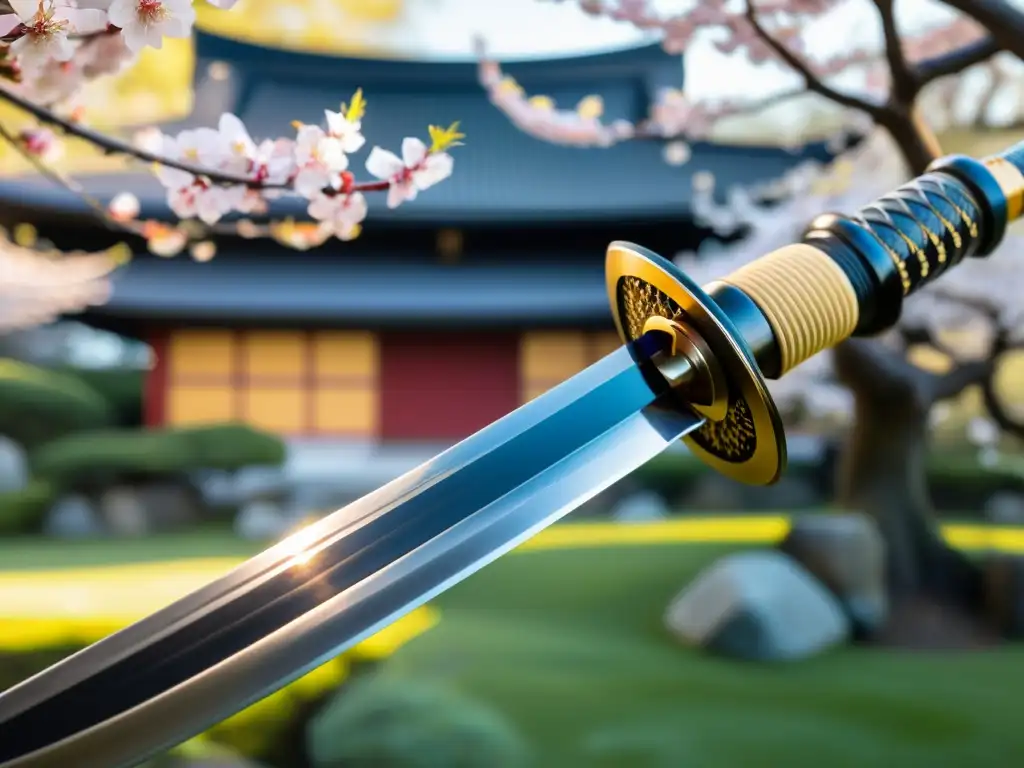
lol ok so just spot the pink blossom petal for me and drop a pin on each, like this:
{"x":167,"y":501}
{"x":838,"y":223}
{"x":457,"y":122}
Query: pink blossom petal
{"x":414,"y":151}
{"x":383,"y":164}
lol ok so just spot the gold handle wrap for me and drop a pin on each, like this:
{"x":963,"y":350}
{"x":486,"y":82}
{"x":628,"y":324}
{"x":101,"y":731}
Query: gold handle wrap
{"x":805,"y":296}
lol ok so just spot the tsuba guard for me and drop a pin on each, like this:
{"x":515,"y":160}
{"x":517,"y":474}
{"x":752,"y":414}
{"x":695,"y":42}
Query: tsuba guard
{"x":749,"y":444}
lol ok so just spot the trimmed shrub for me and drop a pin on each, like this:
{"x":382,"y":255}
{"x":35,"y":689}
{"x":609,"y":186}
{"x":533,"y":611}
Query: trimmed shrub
{"x":233,"y":446}
{"x":380,"y":722}
{"x":94,"y":459}
{"x":122,"y":388}
{"x":37,"y":405}
{"x":22,"y":511}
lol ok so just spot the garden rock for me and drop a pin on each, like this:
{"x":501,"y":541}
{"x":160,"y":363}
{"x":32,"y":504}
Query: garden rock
{"x":137,"y":510}
{"x":123,"y":512}
{"x":759,"y":606}
{"x":1005,"y":508}
{"x":641,"y":507}
{"x":413,"y":724}
{"x":262,"y":519}
{"x":13,"y":466}
{"x":846,"y":553}
{"x":1004,"y":593}
{"x":73,"y":517}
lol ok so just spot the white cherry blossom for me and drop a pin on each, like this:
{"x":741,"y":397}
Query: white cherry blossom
{"x":416,"y":170}
{"x":320,"y":160}
{"x":348,"y":133}
{"x":48,"y":25}
{"x":145,"y":23}
{"x":238,"y":144}
{"x":344,"y":213}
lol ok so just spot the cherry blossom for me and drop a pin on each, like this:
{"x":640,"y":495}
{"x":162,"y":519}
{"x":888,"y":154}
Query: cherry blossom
{"x":344,"y":213}
{"x":416,"y":170}
{"x":346,"y":132}
{"x":39,"y":286}
{"x":47,"y":25}
{"x":52,"y":48}
{"x":145,"y":23}
{"x":320,"y":160}
{"x":312,"y":166}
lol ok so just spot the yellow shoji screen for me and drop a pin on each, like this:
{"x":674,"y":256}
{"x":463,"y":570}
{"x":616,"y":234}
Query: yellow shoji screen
{"x":274,"y":375}
{"x":200,"y":371}
{"x":547,"y":358}
{"x":345,"y":383}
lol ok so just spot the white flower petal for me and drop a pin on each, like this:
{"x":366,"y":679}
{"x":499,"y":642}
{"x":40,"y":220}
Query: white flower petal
{"x":322,"y":208}
{"x":172,"y":178}
{"x":400,"y":193}
{"x":7,"y":23}
{"x":85,"y":20}
{"x":310,"y":180}
{"x":383,"y":164}
{"x":234,"y":130}
{"x":26,"y":9}
{"x":122,"y":14}
{"x":178,"y":26}
{"x":414,"y":151}
{"x":436,"y":168}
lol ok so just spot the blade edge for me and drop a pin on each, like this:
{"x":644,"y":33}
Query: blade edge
{"x":458,"y":552}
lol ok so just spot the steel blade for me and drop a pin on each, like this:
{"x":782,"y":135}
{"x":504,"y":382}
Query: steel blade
{"x":304,"y":601}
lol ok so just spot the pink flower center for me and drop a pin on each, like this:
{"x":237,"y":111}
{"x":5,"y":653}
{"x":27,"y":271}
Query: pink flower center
{"x":151,"y":11}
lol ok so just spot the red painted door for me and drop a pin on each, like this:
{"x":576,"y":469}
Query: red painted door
{"x":445,"y":386}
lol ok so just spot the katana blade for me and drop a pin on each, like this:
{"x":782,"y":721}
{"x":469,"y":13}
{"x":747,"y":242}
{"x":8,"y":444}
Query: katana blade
{"x":694,"y":367}
{"x":290,"y":609}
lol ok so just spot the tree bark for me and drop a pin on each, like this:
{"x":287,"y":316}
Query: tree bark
{"x":1001,"y":19}
{"x":916,"y":141}
{"x":883,"y":473}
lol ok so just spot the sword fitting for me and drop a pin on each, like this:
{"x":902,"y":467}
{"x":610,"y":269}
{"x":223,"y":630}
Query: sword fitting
{"x":690,"y":368}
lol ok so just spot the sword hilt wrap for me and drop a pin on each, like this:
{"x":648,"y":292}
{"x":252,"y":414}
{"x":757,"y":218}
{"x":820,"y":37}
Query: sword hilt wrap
{"x":848,"y":277}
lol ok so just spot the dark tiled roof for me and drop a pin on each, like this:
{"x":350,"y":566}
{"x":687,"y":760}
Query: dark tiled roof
{"x":502,"y":175}
{"x":380,"y":292}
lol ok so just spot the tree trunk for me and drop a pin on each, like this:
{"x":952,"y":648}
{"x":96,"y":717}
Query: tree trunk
{"x":916,"y":141}
{"x":883,"y":474}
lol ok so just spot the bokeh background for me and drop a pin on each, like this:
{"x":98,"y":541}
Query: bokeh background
{"x":206,"y":408}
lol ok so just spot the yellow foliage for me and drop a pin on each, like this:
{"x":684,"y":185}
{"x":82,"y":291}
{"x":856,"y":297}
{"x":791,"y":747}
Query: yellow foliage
{"x":445,"y":138}
{"x":322,"y":26}
{"x":590,"y":107}
{"x":357,"y":109}
{"x":25,"y":235}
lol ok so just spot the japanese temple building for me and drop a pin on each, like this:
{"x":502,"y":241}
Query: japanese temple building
{"x":446,"y":313}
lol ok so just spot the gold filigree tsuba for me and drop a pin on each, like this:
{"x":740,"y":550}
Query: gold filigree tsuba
{"x":744,"y":439}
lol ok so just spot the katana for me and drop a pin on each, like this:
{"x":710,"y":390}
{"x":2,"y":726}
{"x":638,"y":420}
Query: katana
{"x":693,"y":367}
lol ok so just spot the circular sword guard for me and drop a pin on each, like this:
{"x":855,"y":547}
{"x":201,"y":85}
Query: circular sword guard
{"x":743,"y":437}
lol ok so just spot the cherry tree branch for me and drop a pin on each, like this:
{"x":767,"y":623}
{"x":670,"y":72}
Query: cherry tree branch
{"x":955,"y":61}
{"x":1002,"y":20}
{"x":963,"y":375}
{"x":905,"y":84}
{"x":811,"y":80}
{"x":672,"y":116}
{"x":301,"y":235}
{"x":111,"y":146}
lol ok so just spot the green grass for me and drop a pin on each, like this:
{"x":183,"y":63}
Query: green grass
{"x":570,"y":646}
{"x":36,"y":553}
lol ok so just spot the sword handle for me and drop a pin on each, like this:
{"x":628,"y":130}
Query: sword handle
{"x":850,"y":274}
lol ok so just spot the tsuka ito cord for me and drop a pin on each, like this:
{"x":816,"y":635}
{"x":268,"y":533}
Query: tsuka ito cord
{"x":850,"y":274}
